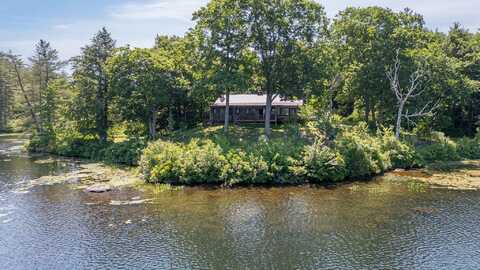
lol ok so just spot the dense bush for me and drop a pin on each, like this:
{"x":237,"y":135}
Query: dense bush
{"x":362,"y":153}
{"x":282,"y":157}
{"x":89,"y":147}
{"x":287,"y":158}
{"x":206,"y":162}
{"x":243,"y":168}
{"x":445,"y":151}
{"x":355,"y":153}
{"x":126,"y":152}
{"x":401,"y":154}
{"x":322,"y":163}
{"x":193,"y":163}
{"x":469,"y":148}
{"x":39,"y":143}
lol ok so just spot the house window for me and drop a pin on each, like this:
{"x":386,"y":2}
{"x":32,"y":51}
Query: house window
{"x":284,"y":111}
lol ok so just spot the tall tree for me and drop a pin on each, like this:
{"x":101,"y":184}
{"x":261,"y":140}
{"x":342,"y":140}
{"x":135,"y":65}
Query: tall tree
{"x":463,"y":48}
{"x":224,"y":25}
{"x":181,"y":53}
{"x":275,"y":29}
{"x":367,"y":39}
{"x":19,"y":69}
{"x":91,"y":81}
{"x":140,"y":82}
{"x":45,"y":67}
{"x":405,"y":94}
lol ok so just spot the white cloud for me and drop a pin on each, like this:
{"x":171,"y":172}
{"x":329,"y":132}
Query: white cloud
{"x":438,"y":14}
{"x":156,"y":9}
{"x":137,"y":22}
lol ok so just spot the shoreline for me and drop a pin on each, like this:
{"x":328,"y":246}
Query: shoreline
{"x":460,"y":175}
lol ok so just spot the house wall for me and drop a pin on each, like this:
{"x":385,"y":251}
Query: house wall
{"x":253,"y":114}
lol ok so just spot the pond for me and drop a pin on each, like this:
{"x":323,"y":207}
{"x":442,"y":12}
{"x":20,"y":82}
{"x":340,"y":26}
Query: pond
{"x":382,"y":224}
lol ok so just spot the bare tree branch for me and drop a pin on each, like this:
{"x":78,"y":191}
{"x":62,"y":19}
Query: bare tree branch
{"x":416,"y":81}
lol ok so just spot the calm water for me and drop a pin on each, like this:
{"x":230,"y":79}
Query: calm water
{"x":380,"y":225}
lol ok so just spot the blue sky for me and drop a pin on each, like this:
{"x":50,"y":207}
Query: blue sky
{"x":69,"y":24}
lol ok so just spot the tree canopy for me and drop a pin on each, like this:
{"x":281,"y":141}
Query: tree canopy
{"x":287,"y":48}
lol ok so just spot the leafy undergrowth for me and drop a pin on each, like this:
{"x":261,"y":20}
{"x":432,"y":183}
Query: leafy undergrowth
{"x":289,"y":157}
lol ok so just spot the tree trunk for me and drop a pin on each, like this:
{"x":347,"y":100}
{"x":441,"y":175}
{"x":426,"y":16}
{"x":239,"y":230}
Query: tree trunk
{"x":374,"y":118}
{"x":398,"y":125}
{"x":268,"y":110}
{"x":227,"y":111}
{"x":102,"y":120}
{"x":27,"y":100}
{"x":152,"y":125}
{"x":367,"y":110}
{"x":170,"y":120}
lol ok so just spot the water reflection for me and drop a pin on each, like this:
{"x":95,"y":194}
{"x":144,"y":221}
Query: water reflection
{"x":380,"y":225}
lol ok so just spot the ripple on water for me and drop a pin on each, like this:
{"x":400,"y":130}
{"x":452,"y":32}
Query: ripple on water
{"x":377,"y":226}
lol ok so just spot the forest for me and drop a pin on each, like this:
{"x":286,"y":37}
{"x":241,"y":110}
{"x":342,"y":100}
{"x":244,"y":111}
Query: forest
{"x":381,"y":91}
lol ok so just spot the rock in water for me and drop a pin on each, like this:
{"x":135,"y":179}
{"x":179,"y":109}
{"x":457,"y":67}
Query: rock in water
{"x":99,"y":188}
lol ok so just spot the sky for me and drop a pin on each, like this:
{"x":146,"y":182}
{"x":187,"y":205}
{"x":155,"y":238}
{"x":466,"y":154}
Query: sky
{"x":69,"y":24}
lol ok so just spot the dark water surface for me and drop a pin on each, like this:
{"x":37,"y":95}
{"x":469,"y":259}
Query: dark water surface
{"x":379,"y":225}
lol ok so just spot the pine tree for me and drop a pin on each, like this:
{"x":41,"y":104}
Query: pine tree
{"x":45,"y":67}
{"x":91,"y":81}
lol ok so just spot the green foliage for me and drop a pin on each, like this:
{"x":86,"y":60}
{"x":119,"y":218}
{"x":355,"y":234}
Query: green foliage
{"x":444,"y":149}
{"x":243,"y":168}
{"x":363,"y":153}
{"x":286,"y":47}
{"x":401,"y":154}
{"x":127,"y":152}
{"x":81,"y":147}
{"x":281,"y":157}
{"x":193,"y":163}
{"x":469,"y":148}
{"x":141,"y":81}
{"x":203,"y":161}
{"x":322,"y":163}
{"x":92,"y":96}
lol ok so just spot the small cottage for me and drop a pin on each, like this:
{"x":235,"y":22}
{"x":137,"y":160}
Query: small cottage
{"x":251,"y":109}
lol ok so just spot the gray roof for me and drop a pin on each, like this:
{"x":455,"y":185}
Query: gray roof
{"x":256,"y":100}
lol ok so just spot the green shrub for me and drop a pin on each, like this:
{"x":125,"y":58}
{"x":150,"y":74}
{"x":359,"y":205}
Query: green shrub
{"x":469,"y":148}
{"x":204,"y":162}
{"x":362,"y":152}
{"x":243,"y":168}
{"x":41,"y":143}
{"x":193,"y":163}
{"x":83,"y":147}
{"x":401,"y":154}
{"x":282,"y":157}
{"x":445,"y":151}
{"x":127,"y":152}
{"x":323,"y":164}
{"x":157,"y":161}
